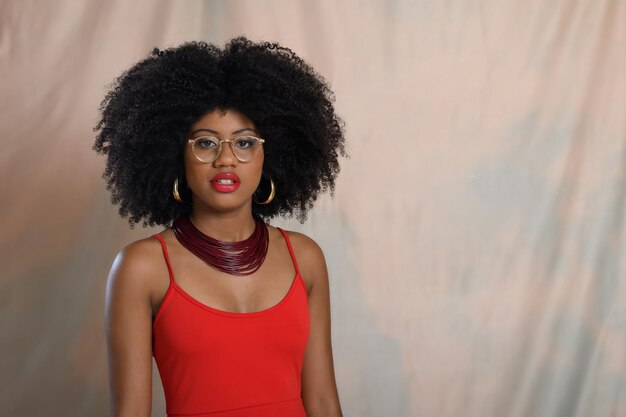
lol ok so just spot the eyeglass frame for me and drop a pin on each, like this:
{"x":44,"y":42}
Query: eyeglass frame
{"x":230,"y":141}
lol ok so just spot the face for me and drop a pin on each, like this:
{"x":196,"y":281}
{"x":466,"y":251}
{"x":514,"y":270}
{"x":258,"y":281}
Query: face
{"x":225,"y":184}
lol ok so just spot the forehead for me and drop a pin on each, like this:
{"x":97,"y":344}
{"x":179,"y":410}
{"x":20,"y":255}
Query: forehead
{"x":223,"y":122}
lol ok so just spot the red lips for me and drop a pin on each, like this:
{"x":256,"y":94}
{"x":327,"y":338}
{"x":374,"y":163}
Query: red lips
{"x":225,"y":182}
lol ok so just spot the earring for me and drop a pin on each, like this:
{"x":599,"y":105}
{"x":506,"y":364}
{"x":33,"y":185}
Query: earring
{"x":272,"y":194}
{"x":175,"y":192}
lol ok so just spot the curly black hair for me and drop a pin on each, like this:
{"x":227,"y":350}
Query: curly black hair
{"x":148,"y":112}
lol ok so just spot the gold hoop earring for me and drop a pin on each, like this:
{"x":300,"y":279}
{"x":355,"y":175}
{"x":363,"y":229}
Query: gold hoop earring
{"x":271,"y":197}
{"x":175,"y":192}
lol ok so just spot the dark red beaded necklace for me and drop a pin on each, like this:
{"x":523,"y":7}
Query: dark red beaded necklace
{"x":236,"y":258}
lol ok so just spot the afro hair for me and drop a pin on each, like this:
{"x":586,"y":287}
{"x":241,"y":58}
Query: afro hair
{"x":148,"y":111}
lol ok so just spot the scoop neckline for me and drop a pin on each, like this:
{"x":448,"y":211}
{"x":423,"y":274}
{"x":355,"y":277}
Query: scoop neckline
{"x":235,"y":314}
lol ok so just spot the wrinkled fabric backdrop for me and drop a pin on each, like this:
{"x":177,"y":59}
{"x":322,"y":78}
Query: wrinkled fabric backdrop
{"x":476,"y":238}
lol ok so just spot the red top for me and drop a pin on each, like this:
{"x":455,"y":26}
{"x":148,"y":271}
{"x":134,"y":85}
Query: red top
{"x":215,"y":363}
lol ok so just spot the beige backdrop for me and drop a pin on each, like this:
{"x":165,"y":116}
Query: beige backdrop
{"x":476,"y":239}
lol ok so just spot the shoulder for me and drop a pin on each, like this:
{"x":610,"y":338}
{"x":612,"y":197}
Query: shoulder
{"x":305,"y":247}
{"x":139,"y":256}
{"x":309,"y":256}
{"x":136,"y":265}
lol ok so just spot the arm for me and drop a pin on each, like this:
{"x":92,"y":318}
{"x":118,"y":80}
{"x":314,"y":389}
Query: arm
{"x":128,"y":329}
{"x":319,"y":388}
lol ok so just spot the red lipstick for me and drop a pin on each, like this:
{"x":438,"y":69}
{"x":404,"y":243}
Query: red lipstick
{"x":225,"y":182}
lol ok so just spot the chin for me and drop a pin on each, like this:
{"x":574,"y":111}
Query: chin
{"x":227,"y":202}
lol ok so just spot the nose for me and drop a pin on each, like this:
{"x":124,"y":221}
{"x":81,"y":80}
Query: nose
{"x":225,"y":157}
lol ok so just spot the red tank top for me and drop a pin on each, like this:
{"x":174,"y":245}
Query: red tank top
{"x":215,"y":363}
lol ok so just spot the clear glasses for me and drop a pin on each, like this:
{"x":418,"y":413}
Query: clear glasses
{"x":208,"y":148}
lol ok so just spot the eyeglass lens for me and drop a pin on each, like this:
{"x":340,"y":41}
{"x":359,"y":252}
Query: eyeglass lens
{"x":245,"y":148}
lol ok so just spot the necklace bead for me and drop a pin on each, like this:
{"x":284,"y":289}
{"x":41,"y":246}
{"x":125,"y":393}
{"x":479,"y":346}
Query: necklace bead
{"x":235,"y":258}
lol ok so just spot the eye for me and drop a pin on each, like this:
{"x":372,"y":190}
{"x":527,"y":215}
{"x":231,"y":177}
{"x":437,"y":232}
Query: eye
{"x":245,"y":143}
{"x":206,"y":143}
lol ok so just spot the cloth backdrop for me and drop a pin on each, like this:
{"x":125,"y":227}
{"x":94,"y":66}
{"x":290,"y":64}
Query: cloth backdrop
{"x":476,"y":238}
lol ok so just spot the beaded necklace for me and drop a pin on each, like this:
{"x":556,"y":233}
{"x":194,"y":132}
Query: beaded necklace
{"x":235,"y":258}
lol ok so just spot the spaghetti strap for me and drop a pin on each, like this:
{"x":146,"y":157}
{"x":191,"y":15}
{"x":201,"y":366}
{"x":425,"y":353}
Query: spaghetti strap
{"x":167,"y":257}
{"x":293,"y":256}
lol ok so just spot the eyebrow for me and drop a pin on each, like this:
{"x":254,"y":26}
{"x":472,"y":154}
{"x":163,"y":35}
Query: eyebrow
{"x":216,"y":133}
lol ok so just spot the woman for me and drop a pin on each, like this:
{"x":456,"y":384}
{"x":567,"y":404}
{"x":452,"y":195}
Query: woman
{"x":210,"y":143}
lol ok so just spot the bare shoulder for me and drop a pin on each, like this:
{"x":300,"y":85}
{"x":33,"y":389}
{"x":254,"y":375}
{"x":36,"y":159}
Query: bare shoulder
{"x":309,"y":256}
{"x":304,"y":246}
{"x":137,"y":265}
{"x":139,"y":257}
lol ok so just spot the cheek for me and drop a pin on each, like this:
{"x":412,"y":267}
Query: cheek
{"x":189,"y":165}
{"x":188,"y":159}
{"x":195,"y":172}
{"x":259,"y":167}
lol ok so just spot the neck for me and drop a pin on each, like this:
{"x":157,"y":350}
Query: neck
{"x":232,"y":226}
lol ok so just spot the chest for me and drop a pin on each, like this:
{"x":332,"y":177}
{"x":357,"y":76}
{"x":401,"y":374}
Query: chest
{"x":189,"y":328}
{"x":238,"y":294}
